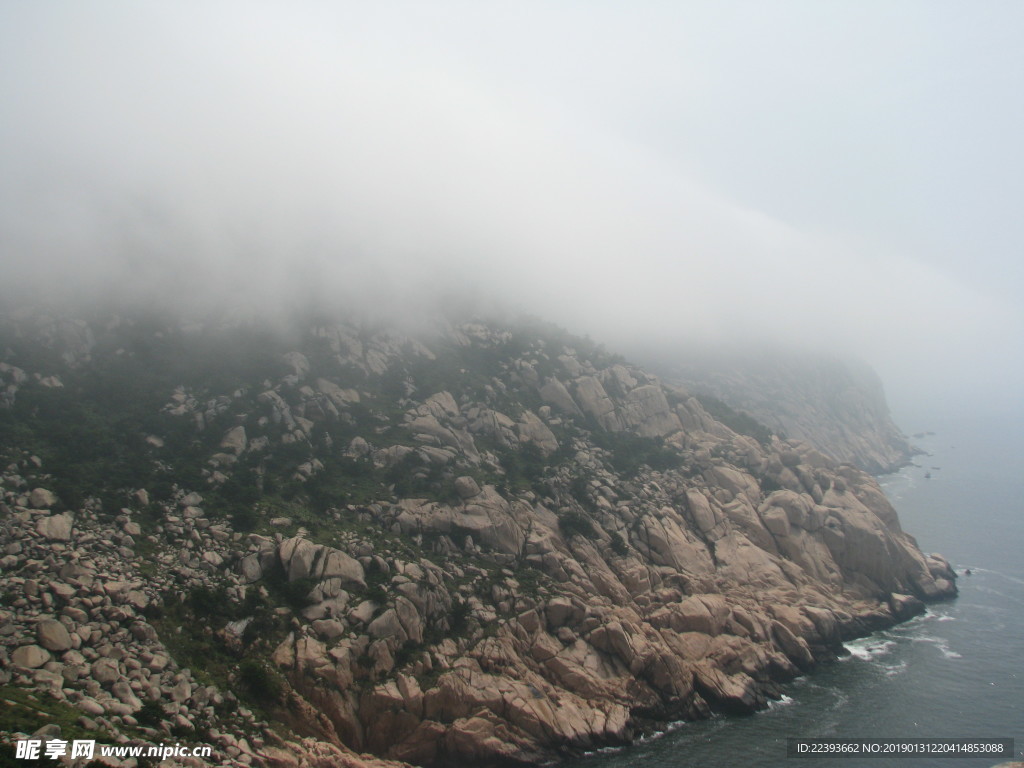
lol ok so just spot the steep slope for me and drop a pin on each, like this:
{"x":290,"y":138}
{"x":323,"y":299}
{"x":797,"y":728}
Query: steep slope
{"x":483,"y":544}
{"x":836,"y":406}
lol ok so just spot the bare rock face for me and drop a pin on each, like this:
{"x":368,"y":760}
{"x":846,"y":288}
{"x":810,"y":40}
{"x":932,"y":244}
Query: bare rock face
{"x":533,"y":430}
{"x":646,"y":410}
{"x":595,"y":402}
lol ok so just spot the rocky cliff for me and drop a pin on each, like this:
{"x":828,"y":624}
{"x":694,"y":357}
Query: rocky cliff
{"x":480,"y":544}
{"x":837,"y":406}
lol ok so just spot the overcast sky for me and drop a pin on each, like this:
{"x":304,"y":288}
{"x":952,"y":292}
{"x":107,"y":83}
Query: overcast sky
{"x":848,"y":175}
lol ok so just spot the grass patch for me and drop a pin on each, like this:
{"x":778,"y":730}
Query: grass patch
{"x":25,"y":712}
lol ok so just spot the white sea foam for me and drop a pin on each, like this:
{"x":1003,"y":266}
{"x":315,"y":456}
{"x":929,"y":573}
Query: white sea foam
{"x":891,"y":670}
{"x":869,"y":648}
{"x":931,"y":614}
{"x":939,"y":643}
{"x":602,"y":751}
{"x":675,"y":725}
{"x":898,"y":484}
{"x":783,"y":702}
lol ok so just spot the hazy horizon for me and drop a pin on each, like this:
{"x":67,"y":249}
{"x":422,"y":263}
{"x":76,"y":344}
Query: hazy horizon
{"x":842,"y":177}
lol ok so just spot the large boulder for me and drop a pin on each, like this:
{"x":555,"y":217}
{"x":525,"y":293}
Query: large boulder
{"x":40,"y":498}
{"x":250,"y":569}
{"x":235,"y":440}
{"x":53,"y":635}
{"x":533,"y":430}
{"x":55,"y":527}
{"x":466,"y":487}
{"x":302,"y":559}
{"x":30,"y":656}
{"x":594,"y":401}
{"x":105,"y":671}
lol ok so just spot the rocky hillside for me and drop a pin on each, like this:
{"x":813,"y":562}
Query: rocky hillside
{"x":480,"y":545}
{"x":836,"y":406}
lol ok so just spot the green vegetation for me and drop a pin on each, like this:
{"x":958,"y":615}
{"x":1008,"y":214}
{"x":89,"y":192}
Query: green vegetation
{"x":259,"y":681}
{"x":22,"y":711}
{"x":738,"y":421}
{"x":150,"y":714}
{"x":415,"y":477}
{"x":630,"y":452}
{"x":619,"y":546}
{"x":25,"y":712}
{"x":576,"y":523}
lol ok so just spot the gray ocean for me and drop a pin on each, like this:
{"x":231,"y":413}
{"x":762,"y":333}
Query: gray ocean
{"x":956,"y":672}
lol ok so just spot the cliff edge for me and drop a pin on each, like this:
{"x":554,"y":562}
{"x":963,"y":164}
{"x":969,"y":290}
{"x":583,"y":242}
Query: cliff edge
{"x":837,"y":406}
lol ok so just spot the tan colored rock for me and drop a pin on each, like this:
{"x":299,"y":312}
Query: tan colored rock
{"x":646,"y":410}
{"x":302,"y":558}
{"x":341,"y":398}
{"x":41,"y":498}
{"x":563,"y":612}
{"x":776,"y":521}
{"x":138,"y":599}
{"x":484,"y":739}
{"x":668,"y":543}
{"x":409,"y":618}
{"x":235,"y":440}
{"x":905,"y":606}
{"x":30,"y":656}
{"x":339,"y":565}
{"x":554,"y":393}
{"x":55,"y":527}
{"x":794,"y":647}
{"x":53,"y":635}
{"x":363,"y":613}
{"x":105,"y":671}
{"x":328,"y":629}
{"x":533,"y":430}
{"x":90,"y":706}
{"x":734,"y":693}
{"x":466,"y":487}
{"x":703,"y":515}
{"x":387,"y":625}
{"x":594,"y":401}
{"x":250,"y":568}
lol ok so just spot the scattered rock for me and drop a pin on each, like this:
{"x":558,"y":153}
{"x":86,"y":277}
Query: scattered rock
{"x":30,"y":656}
{"x":40,"y":498}
{"x":53,"y":635}
{"x":55,"y":527}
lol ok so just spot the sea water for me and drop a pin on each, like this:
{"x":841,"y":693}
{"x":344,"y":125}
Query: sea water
{"x":955,"y":672}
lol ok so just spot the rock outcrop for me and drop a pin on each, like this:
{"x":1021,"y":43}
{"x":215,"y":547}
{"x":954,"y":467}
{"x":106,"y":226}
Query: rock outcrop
{"x":486,"y":545}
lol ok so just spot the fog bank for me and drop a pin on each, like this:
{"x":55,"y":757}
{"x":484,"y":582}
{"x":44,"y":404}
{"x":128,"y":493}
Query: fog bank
{"x":841,"y":177}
